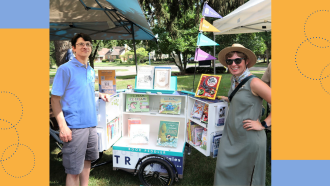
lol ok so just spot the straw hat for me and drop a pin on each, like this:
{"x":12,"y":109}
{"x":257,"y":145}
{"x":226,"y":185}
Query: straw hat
{"x":240,"y":48}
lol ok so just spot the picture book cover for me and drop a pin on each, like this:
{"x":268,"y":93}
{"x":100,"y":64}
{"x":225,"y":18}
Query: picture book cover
{"x":139,"y":134}
{"x":216,"y":143}
{"x":188,"y":130}
{"x":137,"y":103}
{"x":197,"y":140}
{"x":221,"y":114}
{"x":204,"y":139}
{"x":193,"y":126}
{"x":109,"y":133}
{"x":162,"y":78}
{"x":113,"y":130}
{"x":145,"y":77}
{"x":170,"y":105}
{"x":197,"y":110}
{"x":168,"y":133}
{"x":208,"y":86}
{"x":132,"y":121}
{"x":107,"y":81}
{"x":205,"y":114}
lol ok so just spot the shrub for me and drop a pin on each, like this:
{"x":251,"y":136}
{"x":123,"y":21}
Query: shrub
{"x":206,"y":70}
{"x":118,"y":60}
{"x":105,"y":60}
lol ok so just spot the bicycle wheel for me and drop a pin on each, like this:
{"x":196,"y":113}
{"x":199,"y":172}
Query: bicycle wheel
{"x":155,"y":171}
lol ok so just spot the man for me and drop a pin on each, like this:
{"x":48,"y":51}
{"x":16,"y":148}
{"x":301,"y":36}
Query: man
{"x":267,"y":76}
{"x":73,"y":103}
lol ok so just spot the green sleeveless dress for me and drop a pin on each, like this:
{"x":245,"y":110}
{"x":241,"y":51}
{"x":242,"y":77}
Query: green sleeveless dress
{"x":242,"y":154}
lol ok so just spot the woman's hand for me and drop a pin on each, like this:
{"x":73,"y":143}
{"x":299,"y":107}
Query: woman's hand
{"x":252,"y":125}
{"x":223,"y":98}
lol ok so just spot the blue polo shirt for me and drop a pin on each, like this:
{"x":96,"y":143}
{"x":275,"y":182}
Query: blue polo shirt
{"x":74,"y":83}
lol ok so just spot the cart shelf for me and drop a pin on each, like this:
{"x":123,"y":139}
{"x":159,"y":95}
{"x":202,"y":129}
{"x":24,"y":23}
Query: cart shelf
{"x":155,"y":113}
{"x":151,"y":147}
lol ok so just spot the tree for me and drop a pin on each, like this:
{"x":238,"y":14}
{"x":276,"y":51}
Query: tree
{"x":267,"y":37}
{"x":176,"y":24}
{"x":61,"y":48}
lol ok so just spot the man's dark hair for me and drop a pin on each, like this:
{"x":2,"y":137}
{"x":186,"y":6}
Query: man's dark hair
{"x":82,"y":35}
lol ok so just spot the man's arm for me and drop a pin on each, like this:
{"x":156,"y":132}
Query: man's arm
{"x":65,"y":132}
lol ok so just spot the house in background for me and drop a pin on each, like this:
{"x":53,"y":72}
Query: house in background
{"x":115,"y":53}
{"x":101,"y":54}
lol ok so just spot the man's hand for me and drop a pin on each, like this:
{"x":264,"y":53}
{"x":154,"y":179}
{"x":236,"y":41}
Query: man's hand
{"x":65,"y":134}
{"x":104,"y":97}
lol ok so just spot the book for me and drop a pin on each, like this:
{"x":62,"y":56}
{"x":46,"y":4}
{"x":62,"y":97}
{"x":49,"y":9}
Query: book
{"x":197,"y":110}
{"x":208,"y":86}
{"x":197,"y":140}
{"x":205,"y":114}
{"x":215,"y":145}
{"x":162,"y":78}
{"x":188,"y":130}
{"x":139,"y":134}
{"x":107,"y":81}
{"x":132,"y":121}
{"x":193,"y":126}
{"x":170,"y":105}
{"x":145,"y":77}
{"x":137,"y":103}
{"x":168,"y":134}
{"x":220,"y":115}
{"x":204,"y":139}
{"x":109,"y":134}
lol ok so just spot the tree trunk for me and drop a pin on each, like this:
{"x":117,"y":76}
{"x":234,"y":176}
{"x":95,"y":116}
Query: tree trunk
{"x":267,"y":55}
{"x":61,"y":48}
{"x":93,"y":54}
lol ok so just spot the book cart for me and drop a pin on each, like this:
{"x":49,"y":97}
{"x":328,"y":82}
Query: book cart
{"x":151,"y":163}
{"x":212,"y":126}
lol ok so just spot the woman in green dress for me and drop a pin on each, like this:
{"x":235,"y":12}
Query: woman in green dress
{"x":242,"y":151}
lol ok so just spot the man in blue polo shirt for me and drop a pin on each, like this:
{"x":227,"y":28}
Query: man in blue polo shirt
{"x":73,"y":103}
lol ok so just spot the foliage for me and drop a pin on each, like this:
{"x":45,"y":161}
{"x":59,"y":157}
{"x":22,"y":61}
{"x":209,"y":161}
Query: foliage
{"x":105,"y":60}
{"x":252,"y":41}
{"x":141,"y":53}
{"x":118,"y":60}
{"x":176,"y":24}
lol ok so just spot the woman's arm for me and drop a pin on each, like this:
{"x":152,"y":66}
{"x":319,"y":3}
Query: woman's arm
{"x":259,"y":88}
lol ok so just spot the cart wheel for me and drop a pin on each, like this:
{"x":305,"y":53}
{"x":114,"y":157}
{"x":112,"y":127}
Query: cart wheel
{"x":155,"y":171}
{"x":95,"y":161}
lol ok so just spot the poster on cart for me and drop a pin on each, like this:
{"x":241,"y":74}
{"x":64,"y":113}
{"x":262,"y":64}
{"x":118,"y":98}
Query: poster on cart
{"x":128,"y":160}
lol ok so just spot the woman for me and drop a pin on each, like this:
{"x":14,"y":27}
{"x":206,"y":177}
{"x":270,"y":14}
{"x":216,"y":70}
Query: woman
{"x":242,"y":151}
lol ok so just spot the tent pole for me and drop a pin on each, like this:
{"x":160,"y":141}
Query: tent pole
{"x":214,"y":53}
{"x":134,"y":48}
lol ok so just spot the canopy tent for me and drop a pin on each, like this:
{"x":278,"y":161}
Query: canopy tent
{"x":101,"y":19}
{"x":253,"y":16}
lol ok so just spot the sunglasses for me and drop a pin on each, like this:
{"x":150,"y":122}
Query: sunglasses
{"x":237,"y":61}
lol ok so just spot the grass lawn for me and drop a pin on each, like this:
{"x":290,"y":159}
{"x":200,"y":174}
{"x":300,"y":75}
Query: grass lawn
{"x":198,"y":169}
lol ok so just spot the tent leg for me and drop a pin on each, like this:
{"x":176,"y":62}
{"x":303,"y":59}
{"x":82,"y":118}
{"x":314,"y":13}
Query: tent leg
{"x":214,"y":53}
{"x":134,"y":48}
{"x":194,"y":78}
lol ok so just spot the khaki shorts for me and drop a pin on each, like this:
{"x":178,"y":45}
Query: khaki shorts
{"x":83,"y":146}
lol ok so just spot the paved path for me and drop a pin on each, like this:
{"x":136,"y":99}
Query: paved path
{"x":131,"y":70}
